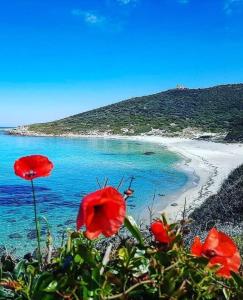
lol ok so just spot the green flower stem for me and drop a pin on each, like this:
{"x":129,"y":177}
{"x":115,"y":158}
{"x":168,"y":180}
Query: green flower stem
{"x":36,"y":226}
{"x":120,"y":296}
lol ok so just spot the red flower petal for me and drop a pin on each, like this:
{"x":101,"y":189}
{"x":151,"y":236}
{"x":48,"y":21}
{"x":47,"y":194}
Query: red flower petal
{"x":196,"y":248}
{"x":219,"y":243}
{"x":33,"y":166}
{"x":160,"y":232}
{"x":224,"y":271}
{"x":212,"y":240}
{"x":234,"y":262}
{"x":220,"y":249}
{"x":226,"y":246}
{"x":102,"y":212}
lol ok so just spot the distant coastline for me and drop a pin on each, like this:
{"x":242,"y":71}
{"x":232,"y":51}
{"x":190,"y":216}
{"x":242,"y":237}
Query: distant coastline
{"x":192,"y":134}
{"x":213,"y":113}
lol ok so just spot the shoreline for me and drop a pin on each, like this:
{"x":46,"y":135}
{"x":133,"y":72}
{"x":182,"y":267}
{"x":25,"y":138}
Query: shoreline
{"x":210,"y":162}
{"x":207,"y":163}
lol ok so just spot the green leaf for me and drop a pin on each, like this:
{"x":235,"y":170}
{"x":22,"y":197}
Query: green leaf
{"x":164,"y":219}
{"x":31,"y":269}
{"x":87,"y":255}
{"x":226,"y":294}
{"x":163,"y":258}
{"x":171,"y":285}
{"x":87,"y":294}
{"x":133,"y":228}
{"x":123,"y":254}
{"x":6,"y":294}
{"x":43,"y":296}
{"x":238,"y":279}
{"x":78,"y":259}
{"x":19,"y":269}
{"x":52,"y":287}
{"x":41,"y":282}
{"x":96,"y":276}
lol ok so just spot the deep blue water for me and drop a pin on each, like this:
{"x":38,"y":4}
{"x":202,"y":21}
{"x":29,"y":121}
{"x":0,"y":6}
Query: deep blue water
{"x":78,"y":162}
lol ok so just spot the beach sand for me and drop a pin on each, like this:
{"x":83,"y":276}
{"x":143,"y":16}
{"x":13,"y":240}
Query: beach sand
{"x":211,"y":162}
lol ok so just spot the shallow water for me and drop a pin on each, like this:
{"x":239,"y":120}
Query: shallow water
{"x":78,"y":165}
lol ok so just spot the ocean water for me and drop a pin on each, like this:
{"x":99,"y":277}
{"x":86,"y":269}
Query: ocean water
{"x":78,"y":164}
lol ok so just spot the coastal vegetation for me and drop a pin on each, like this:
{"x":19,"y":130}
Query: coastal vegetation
{"x":222,"y":210}
{"x":224,"y":207}
{"x":189,"y":112}
{"x":110,"y":257}
{"x":235,"y":133}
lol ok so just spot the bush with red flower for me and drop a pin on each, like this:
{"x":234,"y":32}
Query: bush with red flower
{"x":220,"y":250}
{"x":111,"y":257}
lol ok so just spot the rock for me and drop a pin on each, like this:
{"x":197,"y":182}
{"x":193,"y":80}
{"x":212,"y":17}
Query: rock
{"x":149,"y":153}
{"x":15,"y":236}
{"x":69,"y":222}
{"x":31,"y":235}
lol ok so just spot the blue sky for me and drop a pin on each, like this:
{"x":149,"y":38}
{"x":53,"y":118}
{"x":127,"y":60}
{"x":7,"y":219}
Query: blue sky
{"x":62,"y":57}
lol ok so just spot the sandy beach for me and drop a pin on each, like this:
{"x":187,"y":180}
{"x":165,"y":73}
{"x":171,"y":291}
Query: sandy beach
{"x":211,"y":162}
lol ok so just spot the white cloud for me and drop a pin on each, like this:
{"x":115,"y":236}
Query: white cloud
{"x":89,"y":17}
{"x":111,"y":23}
{"x":126,"y":2}
{"x":232,"y":5}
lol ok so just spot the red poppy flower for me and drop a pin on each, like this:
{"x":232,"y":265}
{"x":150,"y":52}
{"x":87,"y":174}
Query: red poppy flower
{"x":102,"y":212}
{"x":161,"y":232}
{"x":219,"y":249}
{"x":33,"y":166}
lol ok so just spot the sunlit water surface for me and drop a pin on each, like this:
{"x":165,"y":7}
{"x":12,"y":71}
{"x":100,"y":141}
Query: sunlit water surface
{"x":78,"y":165}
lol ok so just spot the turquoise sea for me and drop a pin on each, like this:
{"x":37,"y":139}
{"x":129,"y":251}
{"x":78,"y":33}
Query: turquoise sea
{"x":78,"y":164}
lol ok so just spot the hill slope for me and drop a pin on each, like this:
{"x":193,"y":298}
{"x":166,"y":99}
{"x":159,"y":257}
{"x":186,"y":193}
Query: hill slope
{"x":225,"y":206}
{"x":235,"y":131}
{"x":223,"y":210}
{"x":172,"y":112}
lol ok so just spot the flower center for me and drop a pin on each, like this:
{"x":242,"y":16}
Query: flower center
{"x":97,"y":209}
{"x":30,"y":174}
{"x":210,"y":253}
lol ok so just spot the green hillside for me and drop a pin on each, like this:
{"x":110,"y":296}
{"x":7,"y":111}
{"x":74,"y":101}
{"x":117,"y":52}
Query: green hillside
{"x":235,"y":131}
{"x":212,"y":109}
